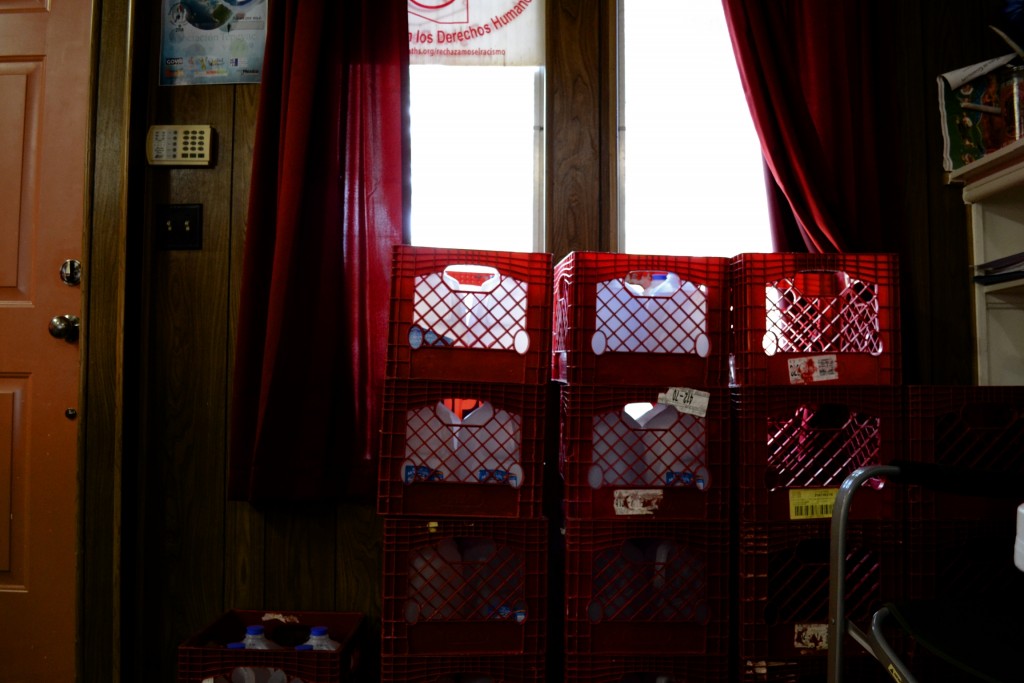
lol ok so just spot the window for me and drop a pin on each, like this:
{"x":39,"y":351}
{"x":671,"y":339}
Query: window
{"x":477,"y":150}
{"x":691,"y":178}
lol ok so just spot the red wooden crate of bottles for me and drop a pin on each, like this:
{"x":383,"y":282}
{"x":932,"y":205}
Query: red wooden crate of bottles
{"x":975,"y":427}
{"x":472,"y":669}
{"x":638,"y":319}
{"x":467,"y":587}
{"x":656,"y":587}
{"x":473,"y":315}
{"x":205,"y":655}
{"x":796,"y":445}
{"x":783,"y":591}
{"x":461,"y":449}
{"x":625,"y":454}
{"x":815,"y":318}
{"x":645,"y":669}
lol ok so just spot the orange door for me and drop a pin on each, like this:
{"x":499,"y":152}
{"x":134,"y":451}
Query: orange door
{"x":44,"y":135}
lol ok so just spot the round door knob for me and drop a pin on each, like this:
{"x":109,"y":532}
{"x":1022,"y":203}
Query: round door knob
{"x":65,"y":327}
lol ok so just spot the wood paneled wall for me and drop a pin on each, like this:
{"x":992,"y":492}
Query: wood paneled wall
{"x":164,"y":551}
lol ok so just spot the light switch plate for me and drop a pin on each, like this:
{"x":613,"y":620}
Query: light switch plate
{"x":180,"y":145}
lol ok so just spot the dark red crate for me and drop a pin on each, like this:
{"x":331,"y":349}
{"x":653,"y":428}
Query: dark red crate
{"x":645,"y":669}
{"x":462,"y":449}
{"x":472,"y":669}
{"x":857,"y":669}
{"x":480,"y":316}
{"x":815,"y":318}
{"x":783,"y":590}
{"x":635,"y":319}
{"x":646,"y":588}
{"x":796,"y":445}
{"x":205,"y":654}
{"x":976,"y":427}
{"x":466,"y":587}
{"x":663,"y":464}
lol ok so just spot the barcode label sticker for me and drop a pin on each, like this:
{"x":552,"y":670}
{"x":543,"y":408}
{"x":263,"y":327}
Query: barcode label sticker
{"x":810,"y":369}
{"x":812,"y":503}
{"x":685,"y":400}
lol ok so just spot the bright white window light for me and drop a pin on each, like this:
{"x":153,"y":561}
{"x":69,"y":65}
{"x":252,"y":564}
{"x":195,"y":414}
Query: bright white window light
{"x":475,"y":147}
{"x":691,"y":171}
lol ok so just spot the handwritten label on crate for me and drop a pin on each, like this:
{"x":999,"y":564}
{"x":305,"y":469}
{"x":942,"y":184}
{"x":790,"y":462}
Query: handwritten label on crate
{"x":636,"y":501}
{"x":685,"y":400}
{"x":810,"y":369}
{"x":810,"y":636}
{"x":812,"y":503}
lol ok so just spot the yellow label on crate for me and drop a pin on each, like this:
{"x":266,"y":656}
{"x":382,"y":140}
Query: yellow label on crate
{"x":811,"y":503}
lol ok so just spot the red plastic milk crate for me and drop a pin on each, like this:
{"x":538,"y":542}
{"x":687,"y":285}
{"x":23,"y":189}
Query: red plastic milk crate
{"x":632,"y":319}
{"x":206,"y":655}
{"x":481,"y":316}
{"x":466,"y":587}
{"x":645,"y":669}
{"x":783,"y":591}
{"x":636,"y":588}
{"x":810,"y":318}
{"x":499,"y":669}
{"x":976,"y":427}
{"x":461,"y":449}
{"x":797,"y":444}
{"x":625,"y":455}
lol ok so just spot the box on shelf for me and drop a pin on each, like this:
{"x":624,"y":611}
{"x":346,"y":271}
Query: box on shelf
{"x":630,"y":452}
{"x":796,"y":445}
{"x":460,"y":449}
{"x":205,"y":655}
{"x":636,"y":319}
{"x":473,"y":315}
{"x":647,"y":588}
{"x":976,"y":108}
{"x":464,"y":586}
{"x":815,"y":319}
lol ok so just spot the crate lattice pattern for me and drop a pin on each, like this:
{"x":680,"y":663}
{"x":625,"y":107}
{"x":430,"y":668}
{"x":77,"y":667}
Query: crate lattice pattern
{"x":492,"y":318}
{"x":627,"y":322}
{"x":844,"y":321}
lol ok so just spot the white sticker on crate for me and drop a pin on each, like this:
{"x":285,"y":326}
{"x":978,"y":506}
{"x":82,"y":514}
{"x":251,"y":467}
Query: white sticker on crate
{"x":686,"y":400}
{"x":810,"y":636}
{"x":810,"y":369}
{"x":631,"y":502}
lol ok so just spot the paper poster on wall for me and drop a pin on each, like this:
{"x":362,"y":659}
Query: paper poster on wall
{"x":212,"y":42}
{"x":476,"y":32}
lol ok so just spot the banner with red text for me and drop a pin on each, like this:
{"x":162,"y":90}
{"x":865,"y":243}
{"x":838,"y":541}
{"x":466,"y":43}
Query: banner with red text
{"x":476,"y":32}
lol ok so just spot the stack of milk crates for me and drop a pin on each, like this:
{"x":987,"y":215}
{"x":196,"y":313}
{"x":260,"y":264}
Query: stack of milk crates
{"x":815,"y":373}
{"x":460,"y":481}
{"x":639,"y":352}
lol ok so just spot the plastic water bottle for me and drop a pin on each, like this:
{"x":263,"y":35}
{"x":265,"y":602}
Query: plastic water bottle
{"x":255,"y":639}
{"x":319,"y":639}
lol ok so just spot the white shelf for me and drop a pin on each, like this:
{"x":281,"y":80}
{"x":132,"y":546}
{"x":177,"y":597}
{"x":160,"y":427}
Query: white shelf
{"x":994,"y":188}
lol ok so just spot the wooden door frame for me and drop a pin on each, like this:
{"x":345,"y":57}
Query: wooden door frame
{"x":113,"y":205}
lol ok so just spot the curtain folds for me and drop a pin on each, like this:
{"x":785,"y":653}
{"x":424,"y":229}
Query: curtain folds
{"x":811,"y":71}
{"x":327,"y":202}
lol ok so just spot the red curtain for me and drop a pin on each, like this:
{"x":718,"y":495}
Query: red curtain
{"x":327,"y":203}
{"x":814,"y":79}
